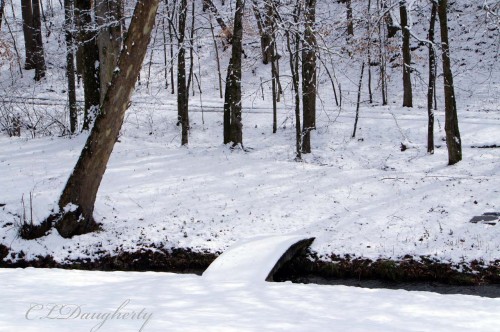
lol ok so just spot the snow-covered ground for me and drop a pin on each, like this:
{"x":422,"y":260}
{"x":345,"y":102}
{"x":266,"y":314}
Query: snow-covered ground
{"x":58,"y":300}
{"x":362,"y":197}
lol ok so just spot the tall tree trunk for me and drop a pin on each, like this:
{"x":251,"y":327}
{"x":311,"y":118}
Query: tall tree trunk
{"x":233,"y":127}
{"x":2,"y":5}
{"x":407,"y":89}
{"x":77,"y":200}
{"x":39,"y":58}
{"x":294,"y":69}
{"x":356,"y":118}
{"x":89,"y":60}
{"x":350,"y":22}
{"x":382,"y":50}
{"x":109,"y":39}
{"x":432,"y":81}
{"x":70,"y":64}
{"x":453,"y":140}
{"x":309,"y":75}
{"x":182,"y":90}
{"x":28,"y":29}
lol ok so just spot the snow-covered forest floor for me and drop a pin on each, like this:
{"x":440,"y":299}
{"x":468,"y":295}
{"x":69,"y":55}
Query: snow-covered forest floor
{"x":361,"y":197}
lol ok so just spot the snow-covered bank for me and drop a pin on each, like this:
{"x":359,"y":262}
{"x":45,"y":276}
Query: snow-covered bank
{"x":57,"y":300}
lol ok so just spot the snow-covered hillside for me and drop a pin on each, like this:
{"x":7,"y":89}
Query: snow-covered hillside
{"x":362,"y":197}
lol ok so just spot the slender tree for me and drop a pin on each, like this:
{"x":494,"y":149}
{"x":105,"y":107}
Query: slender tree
{"x":29,"y":42}
{"x":407,"y":89}
{"x":70,"y":64}
{"x":294,"y":69}
{"x":88,"y":60}
{"x":432,"y":80}
{"x":2,"y":5}
{"x":39,"y":58}
{"x":233,"y":127}
{"x":453,"y":140}
{"x":182,"y":90}
{"x":76,"y":204}
{"x":309,"y":75}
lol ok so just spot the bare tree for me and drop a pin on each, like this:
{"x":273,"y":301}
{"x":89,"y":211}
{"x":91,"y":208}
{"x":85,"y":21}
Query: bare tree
{"x":182,"y":89}
{"x":88,"y":60}
{"x":32,"y":29}
{"x":407,"y":89}
{"x":432,"y":80}
{"x":70,"y":64}
{"x":76,"y":204}
{"x":453,"y":140}
{"x":233,"y":127}
{"x":309,"y":80}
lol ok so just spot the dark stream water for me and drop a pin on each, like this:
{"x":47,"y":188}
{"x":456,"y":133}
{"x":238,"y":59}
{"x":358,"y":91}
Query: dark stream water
{"x":492,"y":291}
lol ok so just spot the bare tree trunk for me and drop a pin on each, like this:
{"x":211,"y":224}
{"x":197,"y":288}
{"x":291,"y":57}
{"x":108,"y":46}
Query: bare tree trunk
{"x":309,"y":75}
{"x":453,"y":140}
{"x":294,"y":69}
{"x":2,"y":5}
{"x":382,"y":50}
{"x":28,"y":29}
{"x":233,"y":131}
{"x":407,"y":89}
{"x":76,"y":204}
{"x":217,"y":59}
{"x":39,"y":58}
{"x":369,"y":51}
{"x":182,"y":91}
{"x":70,"y":64}
{"x":89,"y":61}
{"x":432,"y":81}
{"x":109,"y":39}
{"x":170,"y":34}
{"x":359,"y":101}
{"x":350,"y":22}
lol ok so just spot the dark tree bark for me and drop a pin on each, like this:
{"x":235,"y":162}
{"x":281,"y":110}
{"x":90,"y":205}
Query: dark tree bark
{"x":294,"y":69}
{"x":358,"y":101}
{"x":182,"y":90}
{"x":233,"y":131}
{"x":309,"y":75}
{"x":88,"y":57}
{"x":70,"y":64}
{"x":28,"y":29}
{"x":2,"y":5}
{"x":350,"y":22}
{"x":39,"y":58}
{"x":109,"y":39}
{"x":77,"y":200}
{"x":432,"y":81}
{"x":453,"y":140}
{"x":407,"y":89}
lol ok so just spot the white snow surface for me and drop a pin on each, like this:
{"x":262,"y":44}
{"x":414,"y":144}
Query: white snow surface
{"x":61,"y":300}
{"x":250,"y":260}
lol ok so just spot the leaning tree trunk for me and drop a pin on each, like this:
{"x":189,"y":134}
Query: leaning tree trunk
{"x":77,"y":200}
{"x":109,"y":38}
{"x":453,"y":141}
{"x":432,"y":81}
{"x":309,"y":75}
{"x":407,"y":90}
{"x":182,"y":89}
{"x":233,"y":131}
